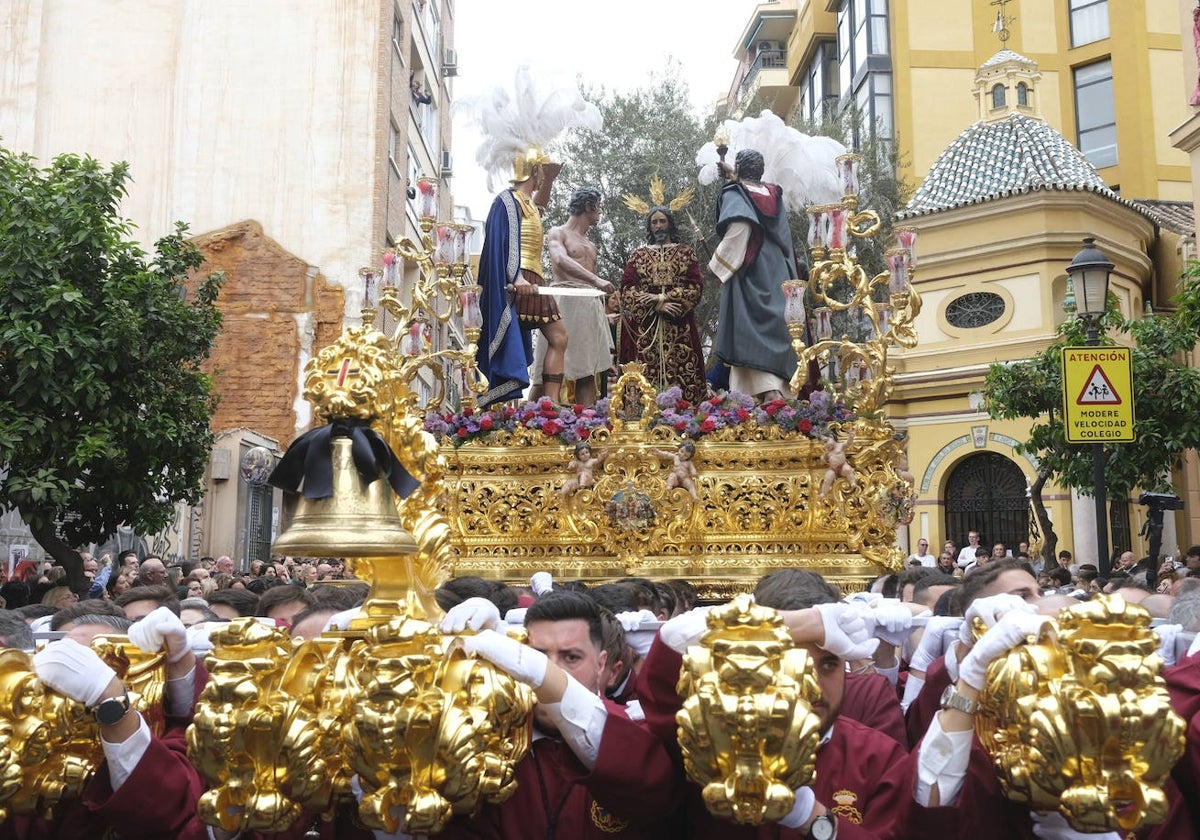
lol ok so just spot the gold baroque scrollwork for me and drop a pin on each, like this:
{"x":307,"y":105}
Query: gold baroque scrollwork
{"x":747,"y":730}
{"x":1078,"y":719}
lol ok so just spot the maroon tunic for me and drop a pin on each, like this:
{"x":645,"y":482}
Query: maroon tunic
{"x":1183,"y":791}
{"x":928,"y":702}
{"x":871,"y":700}
{"x":156,"y":802}
{"x":631,"y":792}
{"x":669,"y":346}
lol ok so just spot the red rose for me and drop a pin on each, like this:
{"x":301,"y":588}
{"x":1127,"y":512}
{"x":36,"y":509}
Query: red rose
{"x":585,"y":433}
{"x":715,"y":401}
{"x":681,"y":425}
{"x":468,"y":411}
{"x":742,"y":414}
{"x":578,"y":409}
{"x":462,"y":433}
{"x":485,"y":422}
{"x":549,"y":411}
{"x":682,"y":405}
{"x":805,"y":425}
{"x":772,"y":408}
{"x":552,"y":427}
{"x":708,"y":425}
{"x":509,"y":411}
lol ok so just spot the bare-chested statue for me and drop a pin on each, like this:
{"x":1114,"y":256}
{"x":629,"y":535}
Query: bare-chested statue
{"x":573,"y":265}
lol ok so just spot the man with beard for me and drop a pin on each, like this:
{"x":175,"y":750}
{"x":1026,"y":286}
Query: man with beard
{"x":752,"y":261}
{"x":660,"y":289}
{"x":573,"y":265}
{"x":591,"y":771}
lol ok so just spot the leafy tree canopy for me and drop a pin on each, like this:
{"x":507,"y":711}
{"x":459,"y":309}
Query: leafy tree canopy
{"x":1166,"y":397}
{"x":105,"y":416}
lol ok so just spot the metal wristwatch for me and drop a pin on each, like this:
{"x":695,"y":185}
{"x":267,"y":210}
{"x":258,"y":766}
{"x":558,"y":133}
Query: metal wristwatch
{"x":951,"y":699}
{"x":822,"y":828}
{"x":110,"y":712}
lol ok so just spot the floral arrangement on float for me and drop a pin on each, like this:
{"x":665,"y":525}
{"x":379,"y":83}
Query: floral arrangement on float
{"x":569,"y":424}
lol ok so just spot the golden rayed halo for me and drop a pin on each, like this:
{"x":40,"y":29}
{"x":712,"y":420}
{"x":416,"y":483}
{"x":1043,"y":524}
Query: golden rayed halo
{"x":658,"y":198}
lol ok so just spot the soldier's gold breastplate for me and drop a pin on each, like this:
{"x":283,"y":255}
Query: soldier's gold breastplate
{"x":531,"y":235}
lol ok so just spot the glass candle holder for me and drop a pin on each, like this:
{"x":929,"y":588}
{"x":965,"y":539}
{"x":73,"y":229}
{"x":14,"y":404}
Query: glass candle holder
{"x":824,"y":323}
{"x":793,"y":301}
{"x":898,"y":261}
{"x":427,"y":198}
{"x":468,"y":296}
{"x":847,"y":168}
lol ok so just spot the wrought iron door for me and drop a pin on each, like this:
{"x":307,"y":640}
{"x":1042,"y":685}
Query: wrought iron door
{"x":986,"y":493}
{"x":258,"y":522}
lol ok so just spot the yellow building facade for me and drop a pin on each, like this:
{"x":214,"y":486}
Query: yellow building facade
{"x":1025,"y":126}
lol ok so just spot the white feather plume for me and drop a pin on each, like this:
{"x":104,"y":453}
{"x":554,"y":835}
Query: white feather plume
{"x":529,"y":114}
{"x":802,"y":164}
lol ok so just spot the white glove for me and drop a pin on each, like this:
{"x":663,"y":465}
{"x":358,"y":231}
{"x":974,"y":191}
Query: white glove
{"x":73,"y":671}
{"x":341,"y":620}
{"x":199,"y":636}
{"x":890,"y":623}
{"x":542,"y":583}
{"x":1008,"y":632}
{"x":869,"y":598}
{"x":802,"y":809}
{"x":1167,"y":634}
{"x":685,"y":629}
{"x":846,"y":631}
{"x":519,"y":661}
{"x":632,"y":620}
{"x":933,"y":640}
{"x":1053,"y":826}
{"x":472,"y":614}
{"x":991,"y":609}
{"x":161,"y":630}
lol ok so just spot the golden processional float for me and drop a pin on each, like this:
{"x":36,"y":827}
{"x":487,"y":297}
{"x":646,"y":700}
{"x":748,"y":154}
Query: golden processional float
{"x":391,"y":719}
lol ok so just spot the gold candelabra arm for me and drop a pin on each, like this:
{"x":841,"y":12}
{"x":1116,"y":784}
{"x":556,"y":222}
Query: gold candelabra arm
{"x":863,"y":224}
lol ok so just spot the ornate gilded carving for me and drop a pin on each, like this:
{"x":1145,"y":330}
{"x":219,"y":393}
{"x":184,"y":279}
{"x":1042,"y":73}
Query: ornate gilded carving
{"x":747,"y":730}
{"x":435,"y":733}
{"x":49,"y":744}
{"x":1078,"y":719}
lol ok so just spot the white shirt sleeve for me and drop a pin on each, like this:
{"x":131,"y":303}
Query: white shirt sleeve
{"x":912,"y":690}
{"x":181,"y":694}
{"x":123,"y":758}
{"x":579,"y":717}
{"x":892,"y":674}
{"x":942,"y":761}
{"x":731,"y":253}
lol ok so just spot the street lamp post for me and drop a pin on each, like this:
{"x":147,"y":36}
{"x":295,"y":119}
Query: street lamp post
{"x":1090,"y":271}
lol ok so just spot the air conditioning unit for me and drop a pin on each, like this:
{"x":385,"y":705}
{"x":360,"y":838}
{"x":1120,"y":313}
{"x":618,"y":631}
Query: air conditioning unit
{"x":447,"y":164}
{"x":449,"y":62}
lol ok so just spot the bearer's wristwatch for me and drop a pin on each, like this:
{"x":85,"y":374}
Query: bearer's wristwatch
{"x":822,"y":828}
{"x":951,"y":699}
{"x":110,"y":712}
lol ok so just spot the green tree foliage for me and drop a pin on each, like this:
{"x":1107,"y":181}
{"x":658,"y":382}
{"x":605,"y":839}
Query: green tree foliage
{"x":1166,"y":398}
{"x":651,"y":130}
{"x":105,"y":416}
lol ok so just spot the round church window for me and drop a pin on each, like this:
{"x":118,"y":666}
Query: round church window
{"x":974,"y":309}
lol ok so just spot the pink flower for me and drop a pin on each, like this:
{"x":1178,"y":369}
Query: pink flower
{"x":485,"y":423}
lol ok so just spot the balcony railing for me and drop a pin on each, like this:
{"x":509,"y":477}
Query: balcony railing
{"x":765,"y":60}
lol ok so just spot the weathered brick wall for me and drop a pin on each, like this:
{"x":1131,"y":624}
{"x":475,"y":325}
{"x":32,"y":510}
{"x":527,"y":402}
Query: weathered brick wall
{"x":256,"y":362}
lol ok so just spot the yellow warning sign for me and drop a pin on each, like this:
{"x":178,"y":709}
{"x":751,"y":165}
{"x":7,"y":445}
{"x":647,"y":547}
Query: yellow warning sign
{"x":1098,"y":394}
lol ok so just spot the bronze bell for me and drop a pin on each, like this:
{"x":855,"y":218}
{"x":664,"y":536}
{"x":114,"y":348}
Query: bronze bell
{"x":358,"y":520}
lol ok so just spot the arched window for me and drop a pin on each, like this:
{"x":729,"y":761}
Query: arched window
{"x":998,"y":96}
{"x":1022,"y":94}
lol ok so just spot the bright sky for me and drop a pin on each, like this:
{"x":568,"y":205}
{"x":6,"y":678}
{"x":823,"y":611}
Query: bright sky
{"x":616,"y":43}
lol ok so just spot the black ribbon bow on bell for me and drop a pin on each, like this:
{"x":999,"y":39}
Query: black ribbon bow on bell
{"x":310,"y":458}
